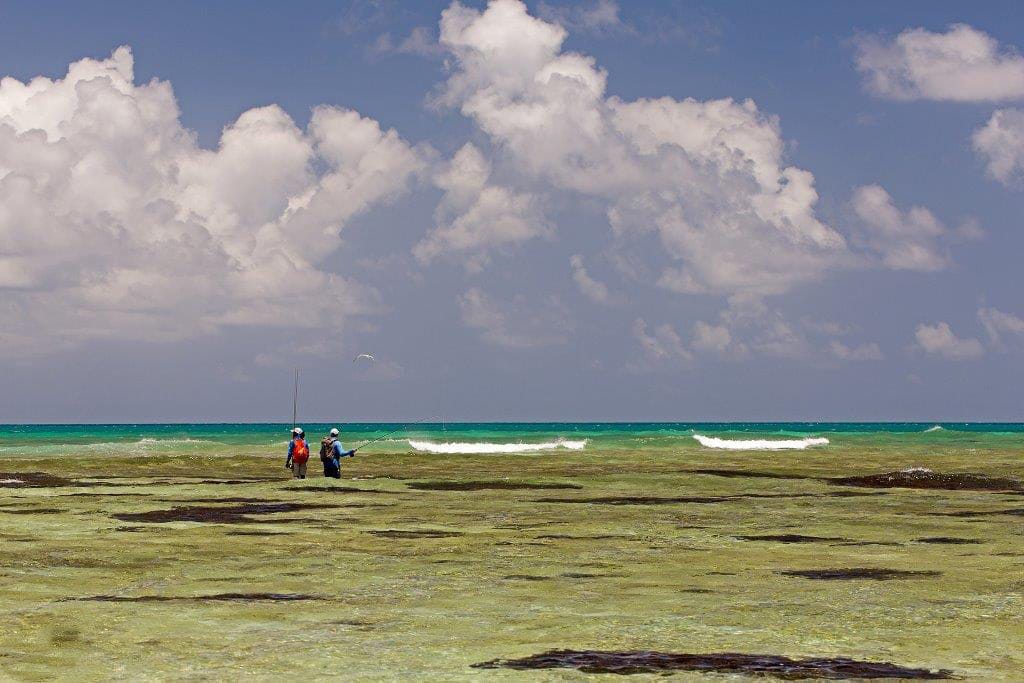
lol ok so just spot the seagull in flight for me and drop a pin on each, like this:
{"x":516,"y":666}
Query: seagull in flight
{"x":364,"y":355}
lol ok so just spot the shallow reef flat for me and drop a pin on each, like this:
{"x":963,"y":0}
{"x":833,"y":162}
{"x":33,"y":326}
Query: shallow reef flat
{"x":821,"y":564}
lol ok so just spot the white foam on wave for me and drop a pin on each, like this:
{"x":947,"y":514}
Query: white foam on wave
{"x":485,"y":447}
{"x":936,"y":428}
{"x":760,"y":444}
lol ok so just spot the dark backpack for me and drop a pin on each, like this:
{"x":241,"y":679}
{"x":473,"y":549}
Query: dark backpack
{"x":326,"y":449}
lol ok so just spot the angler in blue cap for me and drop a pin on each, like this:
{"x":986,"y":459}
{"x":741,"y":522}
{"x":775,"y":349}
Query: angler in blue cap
{"x":331,"y":453}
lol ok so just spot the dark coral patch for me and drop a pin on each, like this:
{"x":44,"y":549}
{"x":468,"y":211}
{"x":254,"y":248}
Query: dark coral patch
{"x":340,"y":489}
{"x":416,"y":533}
{"x":926,"y":479}
{"x":226,"y":499}
{"x":853,"y":494}
{"x":595,"y":537}
{"x":216,"y":597}
{"x":15,"y":480}
{"x":866,"y":543}
{"x":485,"y":485}
{"x":746,"y":473}
{"x":1016,"y":512}
{"x":84,"y":494}
{"x":228,"y":514}
{"x":585,"y":575}
{"x":854,"y":573}
{"x":636,"y":500}
{"x":790,"y":538}
{"x":244,"y":480}
{"x":948,"y":540}
{"x":640,"y":662}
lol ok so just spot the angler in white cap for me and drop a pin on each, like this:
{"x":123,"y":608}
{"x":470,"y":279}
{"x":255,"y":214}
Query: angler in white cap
{"x":331,"y":453}
{"x":298,"y":454}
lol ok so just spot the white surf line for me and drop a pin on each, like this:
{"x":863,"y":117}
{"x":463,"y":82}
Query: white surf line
{"x":760,"y":444}
{"x":487,"y":447}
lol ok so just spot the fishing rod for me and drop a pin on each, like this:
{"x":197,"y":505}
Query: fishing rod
{"x":295,"y":400}
{"x":384,"y":436}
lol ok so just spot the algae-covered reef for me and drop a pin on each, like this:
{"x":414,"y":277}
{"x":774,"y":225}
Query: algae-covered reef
{"x":823,"y":564}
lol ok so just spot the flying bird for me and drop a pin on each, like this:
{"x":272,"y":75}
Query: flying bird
{"x":364,"y":355}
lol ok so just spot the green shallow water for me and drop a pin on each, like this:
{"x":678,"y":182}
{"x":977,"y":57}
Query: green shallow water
{"x":410,"y":580}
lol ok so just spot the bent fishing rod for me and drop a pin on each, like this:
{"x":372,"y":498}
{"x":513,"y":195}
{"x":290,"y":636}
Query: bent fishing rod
{"x":384,"y":436}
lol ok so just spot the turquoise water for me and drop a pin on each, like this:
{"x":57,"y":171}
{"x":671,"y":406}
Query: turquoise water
{"x":506,"y":438}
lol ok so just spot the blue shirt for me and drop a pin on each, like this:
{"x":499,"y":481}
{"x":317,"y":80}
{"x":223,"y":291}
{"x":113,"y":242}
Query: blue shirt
{"x":338,"y":452}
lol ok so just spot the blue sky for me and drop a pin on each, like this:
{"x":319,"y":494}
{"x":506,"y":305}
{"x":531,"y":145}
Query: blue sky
{"x":156,"y":273}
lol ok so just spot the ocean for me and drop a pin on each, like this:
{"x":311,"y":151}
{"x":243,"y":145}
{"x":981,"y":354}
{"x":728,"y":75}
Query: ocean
{"x":503,"y":438}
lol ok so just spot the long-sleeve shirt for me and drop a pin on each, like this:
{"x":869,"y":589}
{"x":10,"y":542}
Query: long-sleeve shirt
{"x":291,"y":451}
{"x":339,"y":451}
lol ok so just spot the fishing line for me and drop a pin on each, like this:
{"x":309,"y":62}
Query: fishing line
{"x":384,"y":436}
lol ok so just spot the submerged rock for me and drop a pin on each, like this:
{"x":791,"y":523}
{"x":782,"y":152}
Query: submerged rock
{"x":778,"y":666}
{"x":853,"y":573}
{"x":921,"y":478}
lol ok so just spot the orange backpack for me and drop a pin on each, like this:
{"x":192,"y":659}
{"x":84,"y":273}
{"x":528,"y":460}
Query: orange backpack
{"x":300,"y":454}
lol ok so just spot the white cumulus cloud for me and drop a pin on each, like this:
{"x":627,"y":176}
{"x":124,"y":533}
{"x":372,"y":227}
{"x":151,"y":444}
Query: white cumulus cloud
{"x":939,"y":340}
{"x":708,"y":178}
{"x":421,"y":41}
{"x":598,"y":17}
{"x":714,"y":339}
{"x":999,"y":324}
{"x":476,"y":216}
{"x":115,"y":223}
{"x":1000,"y":142}
{"x":866,"y":351}
{"x":594,"y":290}
{"x":904,"y":240}
{"x":516,"y":324}
{"x":660,"y":345}
{"x":963,"y":64}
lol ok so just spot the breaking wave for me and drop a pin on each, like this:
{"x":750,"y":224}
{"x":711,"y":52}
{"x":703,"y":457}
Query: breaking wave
{"x":936,"y":428}
{"x":759,"y":444}
{"x":477,"y":448}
